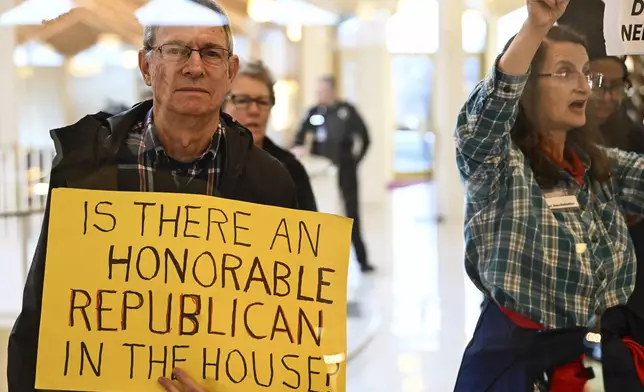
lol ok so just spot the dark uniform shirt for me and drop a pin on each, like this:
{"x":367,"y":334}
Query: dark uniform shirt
{"x":335,"y":129}
{"x":621,"y":132}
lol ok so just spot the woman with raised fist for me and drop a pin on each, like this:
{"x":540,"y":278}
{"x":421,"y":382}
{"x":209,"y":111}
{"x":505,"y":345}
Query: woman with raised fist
{"x":546,"y":240}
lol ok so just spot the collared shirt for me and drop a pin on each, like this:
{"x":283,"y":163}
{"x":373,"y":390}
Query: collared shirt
{"x":146,"y":167}
{"x":557,"y":266}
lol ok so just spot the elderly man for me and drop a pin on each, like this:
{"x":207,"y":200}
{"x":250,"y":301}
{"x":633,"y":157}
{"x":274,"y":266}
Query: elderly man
{"x":179,"y":142}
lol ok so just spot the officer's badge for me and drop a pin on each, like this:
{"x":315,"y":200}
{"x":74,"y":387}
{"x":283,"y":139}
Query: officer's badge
{"x":343,"y":113}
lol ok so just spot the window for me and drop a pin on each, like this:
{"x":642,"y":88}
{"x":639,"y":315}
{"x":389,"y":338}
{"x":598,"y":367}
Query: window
{"x":473,"y":72}
{"x":414,"y":28}
{"x":274,"y":51}
{"x":508,"y":25}
{"x":474,"y":29}
{"x":241,"y":46}
{"x":348,"y":33}
{"x":412,"y":77}
{"x":36,"y":54}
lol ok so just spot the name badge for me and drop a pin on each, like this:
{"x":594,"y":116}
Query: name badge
{"x":556,"y":202}
{"x":320,"y":134}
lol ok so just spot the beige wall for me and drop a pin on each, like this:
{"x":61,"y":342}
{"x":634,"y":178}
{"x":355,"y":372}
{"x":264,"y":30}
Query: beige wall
{"x":8,"y":131}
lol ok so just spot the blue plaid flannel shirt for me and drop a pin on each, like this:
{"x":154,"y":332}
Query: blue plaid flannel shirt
{"x":144,"y":164}
{"x":559,"y":268}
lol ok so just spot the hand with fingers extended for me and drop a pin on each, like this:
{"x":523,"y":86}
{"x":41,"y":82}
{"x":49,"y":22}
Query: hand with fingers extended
{"x":544,"y":13}
{"x":186,"y":382}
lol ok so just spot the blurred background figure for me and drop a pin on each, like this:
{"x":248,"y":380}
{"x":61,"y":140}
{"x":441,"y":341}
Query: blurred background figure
{"x":113,"y":107}
{"x":620,"y":131}
{"x":250,"y":101}
{"x":336,"y":126}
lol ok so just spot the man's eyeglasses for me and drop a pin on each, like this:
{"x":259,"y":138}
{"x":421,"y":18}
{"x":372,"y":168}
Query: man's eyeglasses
{"x":244,"y":101}
{"x":179,"y":53}
{"x":594,"y":80}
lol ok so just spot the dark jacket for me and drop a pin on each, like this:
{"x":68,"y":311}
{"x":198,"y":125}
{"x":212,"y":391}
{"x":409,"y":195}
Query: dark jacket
{"x":86,"y":158}
{"x":335,"y":128}
{"x":305,"y":196}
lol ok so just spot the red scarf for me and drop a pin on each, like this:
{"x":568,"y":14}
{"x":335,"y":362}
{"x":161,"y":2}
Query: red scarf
{"x":574,"y":166}
{"x":638,"y":356}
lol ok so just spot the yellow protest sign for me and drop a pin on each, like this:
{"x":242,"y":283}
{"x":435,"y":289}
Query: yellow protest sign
{"x":243,"y":297}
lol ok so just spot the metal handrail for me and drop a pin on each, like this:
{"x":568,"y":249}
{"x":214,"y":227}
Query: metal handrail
{"x":23,"y":175}
{"x":22,"y":214}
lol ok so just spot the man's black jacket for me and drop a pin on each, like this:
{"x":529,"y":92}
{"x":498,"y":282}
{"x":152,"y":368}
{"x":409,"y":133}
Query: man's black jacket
{"x":86,"y":158}
{"x":305,"y":196}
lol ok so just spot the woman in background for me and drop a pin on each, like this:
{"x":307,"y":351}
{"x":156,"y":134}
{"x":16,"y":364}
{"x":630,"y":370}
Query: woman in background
{"x":622,"y":327}
{"x":250,"y":102}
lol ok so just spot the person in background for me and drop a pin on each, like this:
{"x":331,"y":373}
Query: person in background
{"x":336,"y":125}
{"x":180,"y":142}
{"x":621,"y":326}
{"x":250,"y":101}
{"x":545,"y":237}
{"x":114,"y":107}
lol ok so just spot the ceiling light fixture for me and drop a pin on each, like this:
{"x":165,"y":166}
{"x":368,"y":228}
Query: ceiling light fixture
{"x":109,"y":41}
{"x":294,"y":32}
{"x":261,"y":11}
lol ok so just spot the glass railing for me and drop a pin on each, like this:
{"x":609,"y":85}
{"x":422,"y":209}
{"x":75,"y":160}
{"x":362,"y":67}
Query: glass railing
{"x":24,"y":180}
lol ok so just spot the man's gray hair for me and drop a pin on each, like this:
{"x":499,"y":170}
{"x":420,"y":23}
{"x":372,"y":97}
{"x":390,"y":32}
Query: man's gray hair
{"x":150,"y":32}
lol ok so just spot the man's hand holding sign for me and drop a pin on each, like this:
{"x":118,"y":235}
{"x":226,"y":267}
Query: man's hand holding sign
{"x":242,"y":297}
{"x":186,"y":382}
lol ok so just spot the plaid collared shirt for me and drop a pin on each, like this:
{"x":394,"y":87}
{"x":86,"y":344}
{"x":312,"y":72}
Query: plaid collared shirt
{"x":145,"y":166}
{"x":559,"y":267}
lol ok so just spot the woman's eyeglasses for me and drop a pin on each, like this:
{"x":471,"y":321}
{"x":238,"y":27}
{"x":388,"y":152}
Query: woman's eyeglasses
{"x":594,"y":80}
{"x":244,"y":101}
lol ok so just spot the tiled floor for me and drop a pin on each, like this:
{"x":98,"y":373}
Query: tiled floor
{"x":415,"y":315}
{"x":427,"y":310}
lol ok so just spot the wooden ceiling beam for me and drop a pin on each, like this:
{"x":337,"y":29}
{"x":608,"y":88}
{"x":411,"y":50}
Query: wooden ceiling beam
{"x":109,"y":24}
{"x":118,"y":20}
{"x":73,"y":41}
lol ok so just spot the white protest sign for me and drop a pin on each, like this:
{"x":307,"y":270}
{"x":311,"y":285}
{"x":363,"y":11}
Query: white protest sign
{"x":624,"y":27}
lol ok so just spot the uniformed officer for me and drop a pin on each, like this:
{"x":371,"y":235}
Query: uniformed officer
{"x":336,"y":126}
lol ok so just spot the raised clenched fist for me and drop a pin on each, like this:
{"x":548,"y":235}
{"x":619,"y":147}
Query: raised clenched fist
{"x":544,"y":13}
